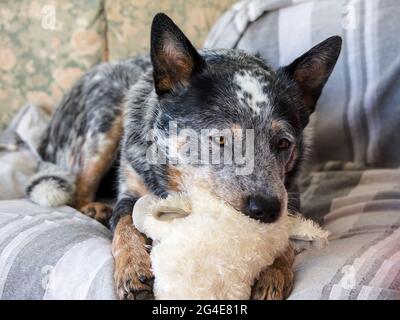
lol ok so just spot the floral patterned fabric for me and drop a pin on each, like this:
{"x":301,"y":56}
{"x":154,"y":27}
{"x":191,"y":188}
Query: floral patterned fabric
{"x":45,"y":45}
{"x":128,"y":22}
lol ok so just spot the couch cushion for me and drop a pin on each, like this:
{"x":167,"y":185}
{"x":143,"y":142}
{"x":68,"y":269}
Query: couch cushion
{"x":45,"y":46}
{"x":48,"y":253}
{"x":62,"y":254}
{"x":358,"y":114}
{"x":18,"y":151}
{"x":362,"y":260}
{"x":128,"y":22}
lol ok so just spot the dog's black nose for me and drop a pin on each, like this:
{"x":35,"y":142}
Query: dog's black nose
{"x":264,"y":209}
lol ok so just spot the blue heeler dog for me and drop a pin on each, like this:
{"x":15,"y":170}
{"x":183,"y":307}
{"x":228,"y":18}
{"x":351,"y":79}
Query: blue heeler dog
{"x":104,"y":120}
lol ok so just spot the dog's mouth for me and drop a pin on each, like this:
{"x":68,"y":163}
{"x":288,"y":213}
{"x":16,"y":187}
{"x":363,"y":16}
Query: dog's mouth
{"x":265,"y":210}
{"x":260,"y":207}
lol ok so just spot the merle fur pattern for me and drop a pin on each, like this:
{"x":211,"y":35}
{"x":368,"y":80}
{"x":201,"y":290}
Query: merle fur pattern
{"x":198,"y":89}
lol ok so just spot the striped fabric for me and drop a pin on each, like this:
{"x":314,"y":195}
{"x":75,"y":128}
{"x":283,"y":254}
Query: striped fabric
{"x":61,"y":254}
{"x":53,"y":254}
{"x":358,"y":115}
{"x":362,"y":260}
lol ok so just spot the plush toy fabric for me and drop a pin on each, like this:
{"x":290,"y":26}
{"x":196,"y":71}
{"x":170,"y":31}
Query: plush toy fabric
{"x":204,"y":249}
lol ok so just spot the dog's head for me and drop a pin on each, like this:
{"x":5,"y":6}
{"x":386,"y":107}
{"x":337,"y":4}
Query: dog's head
{"x":249,"y":117}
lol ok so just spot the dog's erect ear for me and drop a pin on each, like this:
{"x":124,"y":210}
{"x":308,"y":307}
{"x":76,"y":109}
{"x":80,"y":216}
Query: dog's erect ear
{"x":312,"y":69}
{"x":174,"y":58}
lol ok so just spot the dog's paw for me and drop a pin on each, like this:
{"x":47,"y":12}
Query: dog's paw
{"x":276,"y":281}
{"x":133,"y":277}
{"x":273,"y":284}
{"x":132,"y":274}
{"x":98,"y":211}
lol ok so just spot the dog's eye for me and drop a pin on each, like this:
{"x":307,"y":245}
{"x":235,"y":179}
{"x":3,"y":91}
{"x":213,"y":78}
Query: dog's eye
{"x":220,"y":140}
{"x":283,"y":144}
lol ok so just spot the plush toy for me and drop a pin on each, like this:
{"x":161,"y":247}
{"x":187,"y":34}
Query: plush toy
{"x":205,"y":249}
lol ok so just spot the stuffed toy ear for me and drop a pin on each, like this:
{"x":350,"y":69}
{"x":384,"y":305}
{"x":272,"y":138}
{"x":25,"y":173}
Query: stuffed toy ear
{"x":173,"y":207}
{"x":154,"y":216}
{"x":142,"y":210}
{"x":306,"y":234}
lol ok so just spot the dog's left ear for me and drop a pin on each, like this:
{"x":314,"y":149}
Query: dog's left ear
{"x":312,"y":69}
{"x":174,"y":58}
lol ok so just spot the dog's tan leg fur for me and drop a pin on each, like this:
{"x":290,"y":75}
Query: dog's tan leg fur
{"x":276,"y":282}
{"x":96,"y":164}
{"x":133,"y":276}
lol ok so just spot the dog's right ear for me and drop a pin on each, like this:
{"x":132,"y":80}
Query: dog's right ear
{"x":313,"y":68}
{"x":174,"y":58}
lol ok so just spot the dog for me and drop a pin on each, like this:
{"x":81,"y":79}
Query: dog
{"x":104,"y":122}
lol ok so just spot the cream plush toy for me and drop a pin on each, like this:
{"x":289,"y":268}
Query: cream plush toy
{"x":205,"y":249}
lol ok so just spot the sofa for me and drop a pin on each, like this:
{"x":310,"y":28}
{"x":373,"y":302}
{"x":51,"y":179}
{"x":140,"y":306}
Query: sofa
{"x":46,"y":45}
{"x":351,"y":184}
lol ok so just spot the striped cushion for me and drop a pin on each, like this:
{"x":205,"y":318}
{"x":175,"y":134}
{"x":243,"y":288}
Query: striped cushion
{"x":50,"y":253}
{"x":61,"y":254}
{"x":358,"y":114}
{"x":361,"y":209}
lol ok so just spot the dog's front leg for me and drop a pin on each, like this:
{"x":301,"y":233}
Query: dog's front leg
{"x":132,"y":274}
{"x":276,"y":281}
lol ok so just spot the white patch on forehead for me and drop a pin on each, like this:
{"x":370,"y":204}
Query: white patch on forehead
{"x":251,"y":92}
